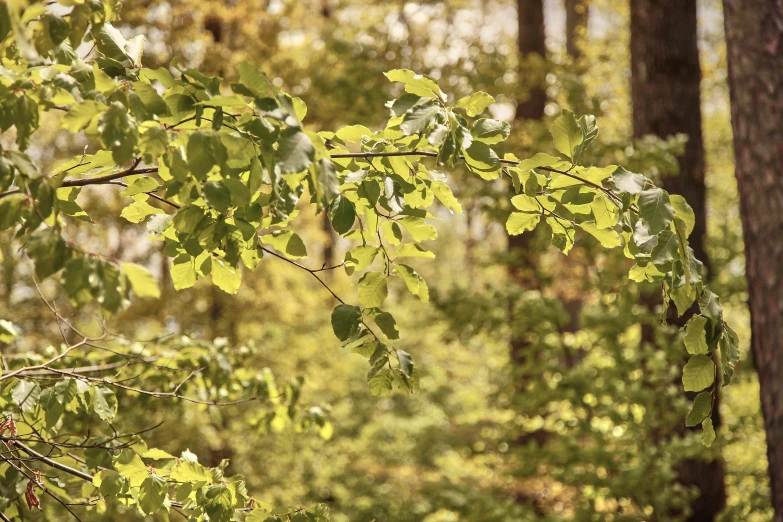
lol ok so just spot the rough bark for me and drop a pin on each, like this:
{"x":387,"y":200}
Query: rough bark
{"x":666,"y":100}
{"x":754,"y":40}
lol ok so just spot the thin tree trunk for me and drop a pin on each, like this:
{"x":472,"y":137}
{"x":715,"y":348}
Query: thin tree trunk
{"x":532,"y":54}
{"x":666,"y":100}
{"x":532,"y":45}
{"x":522,"y":261}
{"x":576,"y":26}
{"x":754,"y":41}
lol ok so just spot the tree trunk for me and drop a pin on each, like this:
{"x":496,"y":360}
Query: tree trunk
{"x":666,"y":100}
{"x":576,"y":26}
{"x":532,"y":51}
{"x":754,"y":40}
{"x":532,"y":54}
{"x":522,"y":263}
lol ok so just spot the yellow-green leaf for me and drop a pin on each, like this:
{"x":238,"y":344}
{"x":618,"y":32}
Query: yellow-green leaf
{"x":142,"y":282}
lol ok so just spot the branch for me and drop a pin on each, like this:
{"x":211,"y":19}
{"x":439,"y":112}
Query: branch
{"x":100,"y":180}
{"x":433,"y":154}
{"x":309,"y":270}
{"x":156,"y":394}
{"x":33,"y":372}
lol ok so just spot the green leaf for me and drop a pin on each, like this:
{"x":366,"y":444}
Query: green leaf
{"x":567,"y":134}
{"x":729,"y":347}
{"x":381,"y":383}
{"x":709,"y":304}
{"x":49,"y":251}
{"x":360,"y":258}
{"x":300,"y":108}
{"x":373,"y":289}
{"x":104,"y":403}
{"x":11,"y":208}
{"x":118,"y":132}
{"x":701,"y":409}
{"x":255,"y":81}
{"x":109,"y":482}
{"x":225,"y":277}
{"x":607,"y":237}
{"x":698,"y":373}
{"x":142,"y":282}
{"x":387,"y":324}
{"x":158,"y":454}
{"x":26,"y":394}
{"x":152,"y":494}
{"x":353,"y":133}
{"x":8,"y":332}
{"x":187,"y":219}
{"x":419,"y":229}
{"x":140,"y":185}
{"x":406,"y":362}
{"x":112,"y":44}
{"x":150,"y":98}
{"x":696,"y":336}
{"x":205,"y":150}
{"x":183,"y":272}
{"x":129,"y":465}
{"x":519,"y":222}
{"x":224,"y":101}
{"x":491,"y":131}
{"x":287,"y":242}
{"x":346,"y":321}
{"x":26,"y":119}
{"x":475,"y":103}
{"x":24,"y":164}
{"x":627,"y":182}
{"x":295,"y":152}
{"x":589,"y":127}
{"x":342,"y":214}
{"x":217,"y":195}
{"x":419,"y":119}
{"x":219,"y":502}
{"x":708,"y":435}
{"x":667,"y":248}
{"x":80,"y":115}
{"x":655,"y":209}
{"x":415,"y":284}
{"x":414,"y":250}
{"x":539,"y":160}
{"x":683,"y":297}
{"x":683,"y":211}
{"x":138,"y":211}
{"x":446,"y":197}
{"x":51,"y":405}
{"x":416,"y":83}
{"x":189,"y":471}
{"x":392,"y":232}
{"x":153,"y":143}
{"x":482,"y":160}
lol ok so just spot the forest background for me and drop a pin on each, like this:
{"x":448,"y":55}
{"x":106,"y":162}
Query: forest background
{"x":587,"y":424}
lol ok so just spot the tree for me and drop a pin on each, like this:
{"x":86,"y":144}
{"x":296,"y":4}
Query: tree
{"x":530,"y":109}
{"x":215,"y":173}
{"x":532,"y":58}
{"x":666,"y":101}
{"x":755,"y":64}
{"x":576,"y":26}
